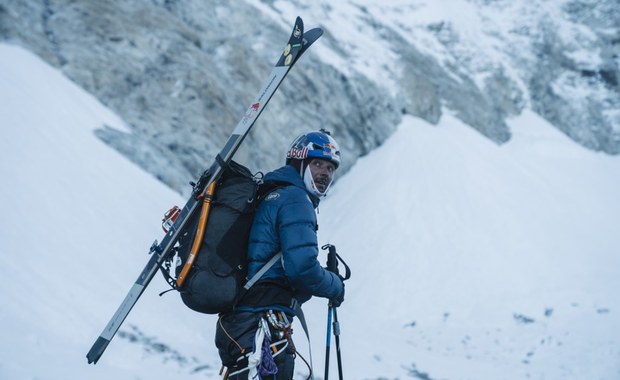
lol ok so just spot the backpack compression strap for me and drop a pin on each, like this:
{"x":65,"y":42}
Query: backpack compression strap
{"x":262,"y":271}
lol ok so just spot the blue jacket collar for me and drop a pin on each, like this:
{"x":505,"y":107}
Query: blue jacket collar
{"x":289,"y":175}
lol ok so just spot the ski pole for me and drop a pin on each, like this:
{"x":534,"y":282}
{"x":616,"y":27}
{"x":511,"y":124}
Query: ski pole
{"x":337,"y":336}
{"x":332,"y":266}
{"x":328,"y":341}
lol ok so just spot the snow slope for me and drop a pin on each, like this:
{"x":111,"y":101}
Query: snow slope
{"x":470,"y":261}
{"x":478,"y":261}
{"x":79,"y":221}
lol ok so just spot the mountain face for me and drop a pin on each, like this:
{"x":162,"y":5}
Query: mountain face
{"x":181,"y":73}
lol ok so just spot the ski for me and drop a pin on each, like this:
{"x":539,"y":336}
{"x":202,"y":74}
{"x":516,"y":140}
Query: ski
{"x":297,"y":44}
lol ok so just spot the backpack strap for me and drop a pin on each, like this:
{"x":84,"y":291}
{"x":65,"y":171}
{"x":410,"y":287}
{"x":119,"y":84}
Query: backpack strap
{"x":302,"y":319}
{"x":262,"y":271}
{"x":262,"y":193}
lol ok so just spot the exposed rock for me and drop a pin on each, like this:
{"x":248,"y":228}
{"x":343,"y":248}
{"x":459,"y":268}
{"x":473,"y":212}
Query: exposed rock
{"x":575,"y":83}
{"x":181,"y":73}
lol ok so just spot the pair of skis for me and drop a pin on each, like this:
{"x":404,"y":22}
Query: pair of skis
{"x":297,"y":44}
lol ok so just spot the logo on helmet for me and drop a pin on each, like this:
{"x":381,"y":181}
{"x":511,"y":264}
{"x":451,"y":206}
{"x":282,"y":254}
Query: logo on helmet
{"x":297,"y":154}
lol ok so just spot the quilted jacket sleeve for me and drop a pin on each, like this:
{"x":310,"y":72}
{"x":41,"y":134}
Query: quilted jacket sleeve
{"x":298,"y":241}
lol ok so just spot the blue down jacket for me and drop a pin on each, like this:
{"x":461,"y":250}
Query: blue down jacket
{"x":286,"y":221}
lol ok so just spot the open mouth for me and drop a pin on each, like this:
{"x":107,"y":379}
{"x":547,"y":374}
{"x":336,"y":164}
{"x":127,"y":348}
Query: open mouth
{"x":321,"y":184}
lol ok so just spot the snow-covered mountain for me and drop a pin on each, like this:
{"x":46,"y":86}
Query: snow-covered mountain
{"x":470,"y":260}
{"x":179,"y":72}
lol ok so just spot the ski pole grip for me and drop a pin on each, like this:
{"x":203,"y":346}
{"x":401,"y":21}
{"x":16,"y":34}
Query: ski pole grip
{"x":332,"y":258}
{"x":332,"y":262}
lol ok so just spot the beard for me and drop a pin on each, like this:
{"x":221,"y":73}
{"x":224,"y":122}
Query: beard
{"x":317,"y":186}
{"x":321,"y":184}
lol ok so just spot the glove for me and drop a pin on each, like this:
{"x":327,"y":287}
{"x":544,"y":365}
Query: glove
{"x":337,"y":301}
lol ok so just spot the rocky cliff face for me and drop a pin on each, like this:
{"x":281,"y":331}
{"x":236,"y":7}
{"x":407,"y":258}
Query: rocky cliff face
{"x":181,"y":73}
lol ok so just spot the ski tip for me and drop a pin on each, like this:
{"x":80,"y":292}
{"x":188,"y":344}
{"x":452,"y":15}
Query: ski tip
{"x":298,"y":29}
{"x":309,"y":38}
{"x":294,"y":44}
{"x":312,"y":35}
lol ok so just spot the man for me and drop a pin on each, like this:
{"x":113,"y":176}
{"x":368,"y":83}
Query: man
{"x":255,"y":338}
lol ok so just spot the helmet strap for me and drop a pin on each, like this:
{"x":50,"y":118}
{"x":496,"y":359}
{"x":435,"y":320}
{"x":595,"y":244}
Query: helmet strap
{"x":310,"y":185}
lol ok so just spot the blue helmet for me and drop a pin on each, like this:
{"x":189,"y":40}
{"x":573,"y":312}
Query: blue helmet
{"x":317,"y":144}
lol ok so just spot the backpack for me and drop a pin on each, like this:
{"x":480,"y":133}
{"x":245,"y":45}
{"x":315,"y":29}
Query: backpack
{"x":218,"y":274}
